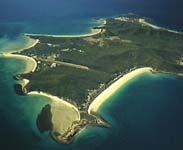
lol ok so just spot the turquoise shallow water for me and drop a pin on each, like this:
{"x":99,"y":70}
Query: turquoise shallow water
{"x":145,"y":114}
{"x":11,"y":32}
{"x":8,"y":44}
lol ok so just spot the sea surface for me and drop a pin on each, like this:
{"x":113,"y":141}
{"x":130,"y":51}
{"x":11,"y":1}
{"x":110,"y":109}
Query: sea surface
{"x":145,"y":114}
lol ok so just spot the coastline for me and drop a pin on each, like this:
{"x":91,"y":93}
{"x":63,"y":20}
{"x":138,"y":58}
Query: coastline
{"x":100,"y":100}
{"x":36,"y":41}
{"x":93,"y":33}
{"x":25,"y":82}
{"x":107,"y":93}
{"x":144,"y":22}
{"x":30,"y":68}
{"x":59,"y":106}
{"x":54,"y":99}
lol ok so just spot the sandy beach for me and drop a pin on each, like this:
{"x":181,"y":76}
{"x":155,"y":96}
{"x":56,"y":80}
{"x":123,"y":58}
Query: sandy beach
{"x":93,"y":33}
{"x":25,"y":82}
{"x":144,"y":22}
{"x":54,"y":98}
{"x":31,"y":44}
{"x":31,"y":66}
{"x":106,"y":94}
{"x":31,"y":63}
{"x":69,"y":112}
{"x":63,"y":113}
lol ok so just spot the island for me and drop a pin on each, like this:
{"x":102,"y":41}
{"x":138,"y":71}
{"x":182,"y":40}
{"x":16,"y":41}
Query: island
{"x":80,"y":73}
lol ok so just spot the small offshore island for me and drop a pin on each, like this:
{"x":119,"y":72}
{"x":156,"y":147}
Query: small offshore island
{"x":81,"y":72}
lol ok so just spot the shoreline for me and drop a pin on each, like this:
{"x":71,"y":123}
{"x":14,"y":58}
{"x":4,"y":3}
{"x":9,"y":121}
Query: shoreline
{"x":26,"y":81}
{"x":93,"y":33}
{"x":146,"y":23}
{"x":24,"y":58}
{"x":107,"y":93}
{"x":33,"y":68}
{"x":54,"y":99}
{"x":103,"y":97}
{"x":36,"y":41}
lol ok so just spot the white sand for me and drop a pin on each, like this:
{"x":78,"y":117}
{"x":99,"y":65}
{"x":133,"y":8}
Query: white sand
{"x":32,"y":43}
{"x":25,"y":82}
{"x":31,"y":63}
{"x":30,"y":46}
{"x":31,"y":66}
{"x":55,"y":99}
{"x":144,"y":22}
{"x":63,"y":113}
{"x":106,"y":94}
{"x":93,"y":32}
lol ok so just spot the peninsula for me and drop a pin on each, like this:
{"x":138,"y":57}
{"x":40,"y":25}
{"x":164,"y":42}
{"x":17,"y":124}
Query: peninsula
{"x":80,"y":73}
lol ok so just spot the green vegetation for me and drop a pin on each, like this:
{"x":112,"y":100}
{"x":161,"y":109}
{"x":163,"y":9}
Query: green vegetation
{"x":71,"y":83}
{"x":123,"y":45}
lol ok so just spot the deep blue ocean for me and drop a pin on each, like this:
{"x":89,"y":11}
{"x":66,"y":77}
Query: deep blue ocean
{"x":146,"y":114}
